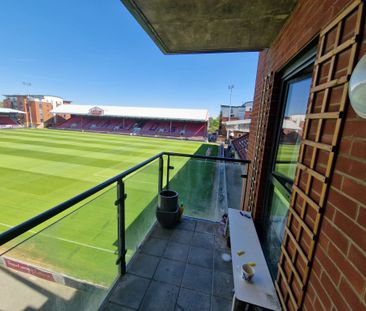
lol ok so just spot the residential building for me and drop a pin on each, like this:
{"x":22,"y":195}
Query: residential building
{"x":310,"y":212}
{"x":232,"y":118}
{"x":37,"y":108}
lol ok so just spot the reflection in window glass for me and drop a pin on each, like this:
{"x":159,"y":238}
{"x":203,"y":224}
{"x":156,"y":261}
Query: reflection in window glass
{"x":284,"y":168}
{"x":276,"y":227}
{"x":292,"y":127}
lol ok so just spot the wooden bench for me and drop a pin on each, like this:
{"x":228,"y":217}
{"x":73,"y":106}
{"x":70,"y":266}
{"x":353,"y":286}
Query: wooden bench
{"x":260,"y":290}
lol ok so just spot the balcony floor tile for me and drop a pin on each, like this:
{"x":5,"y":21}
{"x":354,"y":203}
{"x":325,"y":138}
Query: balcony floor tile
{"x":200,"y":256}
{"x":205,"y":240}
{"x":176,"y":251}
{"x":190,"y":300}
{"x":177,"y":269}
{"x":130,"y":292}
{"x":220,"y":304}
{"x":154,"y":246}
{"x":144,"y":265}
{"x":197,"y":278}
{"x":160,"y":296}
{"x":170,"y":271}
{"x":181,"y":236}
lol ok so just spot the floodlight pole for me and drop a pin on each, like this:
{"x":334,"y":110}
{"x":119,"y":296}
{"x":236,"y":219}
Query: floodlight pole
{"x":230,"y":87}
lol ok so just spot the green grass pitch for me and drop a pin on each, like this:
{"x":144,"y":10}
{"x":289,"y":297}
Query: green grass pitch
{"x":287,"y":153}
{"x":41,"y":168}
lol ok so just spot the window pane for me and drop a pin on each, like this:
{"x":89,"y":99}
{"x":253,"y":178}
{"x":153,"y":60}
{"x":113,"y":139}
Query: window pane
{"x":292,"y":127}
{"x":284,"y":171}
{"x":275,"y":228}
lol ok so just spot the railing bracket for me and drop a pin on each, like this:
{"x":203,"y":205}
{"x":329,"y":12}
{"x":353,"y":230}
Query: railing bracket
{"x":120,"y":200}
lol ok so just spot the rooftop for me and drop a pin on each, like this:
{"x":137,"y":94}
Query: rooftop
{"x":135,"y":112}
{"x":9,"y":110}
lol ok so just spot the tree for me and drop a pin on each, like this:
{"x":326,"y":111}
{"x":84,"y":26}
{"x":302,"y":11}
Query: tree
{"x":214,"y":125}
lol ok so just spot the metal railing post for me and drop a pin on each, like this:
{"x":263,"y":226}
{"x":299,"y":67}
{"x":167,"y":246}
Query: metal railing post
{"x":168,"y":173}
{"x":244,"y":187}
{"x":161,"y":172}
{"x":121,"y":197}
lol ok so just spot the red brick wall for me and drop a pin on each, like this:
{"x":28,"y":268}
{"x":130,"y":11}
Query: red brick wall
{"x":338,"y":278}
{"x":34,"y":107}
{"x":47,"y":115}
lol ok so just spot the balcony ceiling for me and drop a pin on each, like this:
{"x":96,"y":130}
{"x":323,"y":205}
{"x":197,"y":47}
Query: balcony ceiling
{"x":201,"y":26}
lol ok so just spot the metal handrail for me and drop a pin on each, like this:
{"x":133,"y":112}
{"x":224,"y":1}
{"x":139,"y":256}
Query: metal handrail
{"x":37,"y":220}
{"x":197,"y":156}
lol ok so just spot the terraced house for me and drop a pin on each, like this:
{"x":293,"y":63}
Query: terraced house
{"x":306,"y":193}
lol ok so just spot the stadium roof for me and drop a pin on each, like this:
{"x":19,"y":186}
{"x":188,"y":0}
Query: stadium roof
{"x":31,"y":95}
{"x":135,"y":112}
{"x":8,"y":110}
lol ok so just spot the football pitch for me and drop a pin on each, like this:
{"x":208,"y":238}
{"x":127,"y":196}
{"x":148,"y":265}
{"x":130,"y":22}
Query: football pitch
{"x":287,"y":153}
{"x":42,"y":168}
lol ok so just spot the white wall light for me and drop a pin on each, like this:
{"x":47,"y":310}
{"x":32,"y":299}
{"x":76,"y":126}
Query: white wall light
{"x":357,"y":88}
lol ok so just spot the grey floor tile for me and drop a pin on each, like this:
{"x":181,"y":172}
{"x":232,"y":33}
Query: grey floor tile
{"x":219,"y":229}
{"x":181,"y":236}
{"x":189,"y":300}
{"x":115,"y":307}
{"x":154,"y":246}
{"x":223,"y":284}
{"x":220,"y":264}
{"x":159,"y":297}
{"x":205,"y":227}
{"x":220,"y":304}
{"x":161,"y":233}
{"x":220,"y":243}
{"x":130,"y":291}
{"x":201,"y":257}
{"x":205,"y":240}
{"x":197,"y":278}
{"x":176,"y":251}
{"x":186,"y":224}
{"x":170,"y":271}
{"x":144,"y":265}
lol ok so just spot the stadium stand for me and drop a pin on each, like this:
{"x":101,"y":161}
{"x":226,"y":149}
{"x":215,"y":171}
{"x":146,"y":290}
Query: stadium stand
{"x":241,"y":145}
{"x":157,"y":122}
{"x":9,"y":118}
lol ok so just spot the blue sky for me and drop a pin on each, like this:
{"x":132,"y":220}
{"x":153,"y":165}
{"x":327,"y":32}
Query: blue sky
{"x":94,"y":52}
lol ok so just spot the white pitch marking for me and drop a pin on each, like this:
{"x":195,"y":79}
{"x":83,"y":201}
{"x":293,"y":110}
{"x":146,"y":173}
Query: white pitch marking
{"x":66,"y":240}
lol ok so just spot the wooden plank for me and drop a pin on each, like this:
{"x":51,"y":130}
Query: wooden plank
{"x":313,"y":173}
{"x":302,"y":223}
{"x":284,"y":279}
{"x":333,"y":83}
{"x":297,"y":245}
{"x":345,"y":45}
{"x":283,"y":304}
{"x":306,"y":198}
{"x":318,"y":145}
{"x":341,"y":16}
{"x":324,"y":115}
{"x":293,"y":268}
